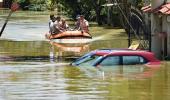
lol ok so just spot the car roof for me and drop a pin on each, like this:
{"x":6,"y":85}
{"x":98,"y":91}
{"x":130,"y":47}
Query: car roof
{"x":106,"y":52}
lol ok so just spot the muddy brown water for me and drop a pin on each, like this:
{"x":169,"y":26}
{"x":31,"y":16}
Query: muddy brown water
{"x":33,"y":69}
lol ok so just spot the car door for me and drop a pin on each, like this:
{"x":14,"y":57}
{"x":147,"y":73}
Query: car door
{"x":133,"y":64}
{"x":109,"y":64}
{"x":110,"y":61}
{"x":133,"y":60}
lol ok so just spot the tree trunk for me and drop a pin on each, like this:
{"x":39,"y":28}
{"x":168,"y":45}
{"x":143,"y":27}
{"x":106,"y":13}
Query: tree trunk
{"x":98,"y":17}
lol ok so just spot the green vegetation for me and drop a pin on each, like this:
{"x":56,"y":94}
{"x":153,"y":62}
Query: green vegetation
{"x":93,"y":10}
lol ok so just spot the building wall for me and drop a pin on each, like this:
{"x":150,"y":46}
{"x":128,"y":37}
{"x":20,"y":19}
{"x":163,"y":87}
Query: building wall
{"x":165,"y":28}
{"x":1,"y":2}
{"x":160,"y":43}
{"x":168,"y":36}
{"x":7,"y":3}
{"x":156,"y":28}
{"x":164,"y":38}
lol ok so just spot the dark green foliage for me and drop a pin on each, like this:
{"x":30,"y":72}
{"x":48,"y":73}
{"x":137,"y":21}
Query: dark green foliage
{"x":93,"y":10}
{"x":35,"y":5}
{"x":24,"y":4}
{"x":136,"y":3}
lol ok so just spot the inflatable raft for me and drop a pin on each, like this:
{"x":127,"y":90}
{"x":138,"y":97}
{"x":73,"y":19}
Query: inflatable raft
{"x":70,"y":37}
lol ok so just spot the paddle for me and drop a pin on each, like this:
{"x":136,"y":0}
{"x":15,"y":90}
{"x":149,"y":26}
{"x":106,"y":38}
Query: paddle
{"x":14,"y":7}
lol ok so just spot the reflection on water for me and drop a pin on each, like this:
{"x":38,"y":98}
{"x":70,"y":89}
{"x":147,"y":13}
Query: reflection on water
{"x":70,"y":51}
{"x":128,"y":71}
{"x":27,"y":72}
{"x":48,"y":81}
{"x":24,"y":31}
{"x":33,"y":69}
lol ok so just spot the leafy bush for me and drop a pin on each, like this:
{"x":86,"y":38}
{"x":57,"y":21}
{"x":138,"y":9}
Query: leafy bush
{"x":34,"y":5}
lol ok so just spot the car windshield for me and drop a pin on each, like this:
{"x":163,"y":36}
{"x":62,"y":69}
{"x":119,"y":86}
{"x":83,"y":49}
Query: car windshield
{"x":88,"y":59}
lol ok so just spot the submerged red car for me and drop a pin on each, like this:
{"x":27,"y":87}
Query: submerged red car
{"x":111,"y":57}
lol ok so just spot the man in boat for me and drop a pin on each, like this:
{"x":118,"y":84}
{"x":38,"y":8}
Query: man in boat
{"x":77,"y":23}
{"x":51,"y":22}
{"x":57,"y":26}
{"x":64,"y":25}
{"x":84,"y":24}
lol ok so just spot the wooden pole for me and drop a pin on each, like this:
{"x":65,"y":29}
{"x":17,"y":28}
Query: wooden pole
{"x":14,"y":7}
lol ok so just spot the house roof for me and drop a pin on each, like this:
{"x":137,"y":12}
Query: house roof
{"x":163,"y":9}
{"x":146,"y":8}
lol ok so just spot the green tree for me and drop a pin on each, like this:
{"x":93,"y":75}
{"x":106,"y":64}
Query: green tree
{"x":37,"y":5}
{"x":72,"y":7}
{"x":24,"y":4}
{"x":136,"y":3}
{"x":52,"y":4}
{"x":97,"y":7}
{"x":89,"y":8}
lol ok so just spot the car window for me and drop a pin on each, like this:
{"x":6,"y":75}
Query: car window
{"x":110,"y":61}
{"x":89,"y":60}
{"x":82,"y":59}
{"x":133,"y":60}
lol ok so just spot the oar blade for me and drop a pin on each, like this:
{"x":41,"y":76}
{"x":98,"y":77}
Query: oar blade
{"x":14,"y":7}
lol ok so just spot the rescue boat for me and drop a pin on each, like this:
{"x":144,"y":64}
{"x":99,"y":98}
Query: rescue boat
{"x":70,"y":37}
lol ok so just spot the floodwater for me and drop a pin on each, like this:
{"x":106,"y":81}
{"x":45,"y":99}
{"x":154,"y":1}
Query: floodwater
{"x":32,"y":68}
